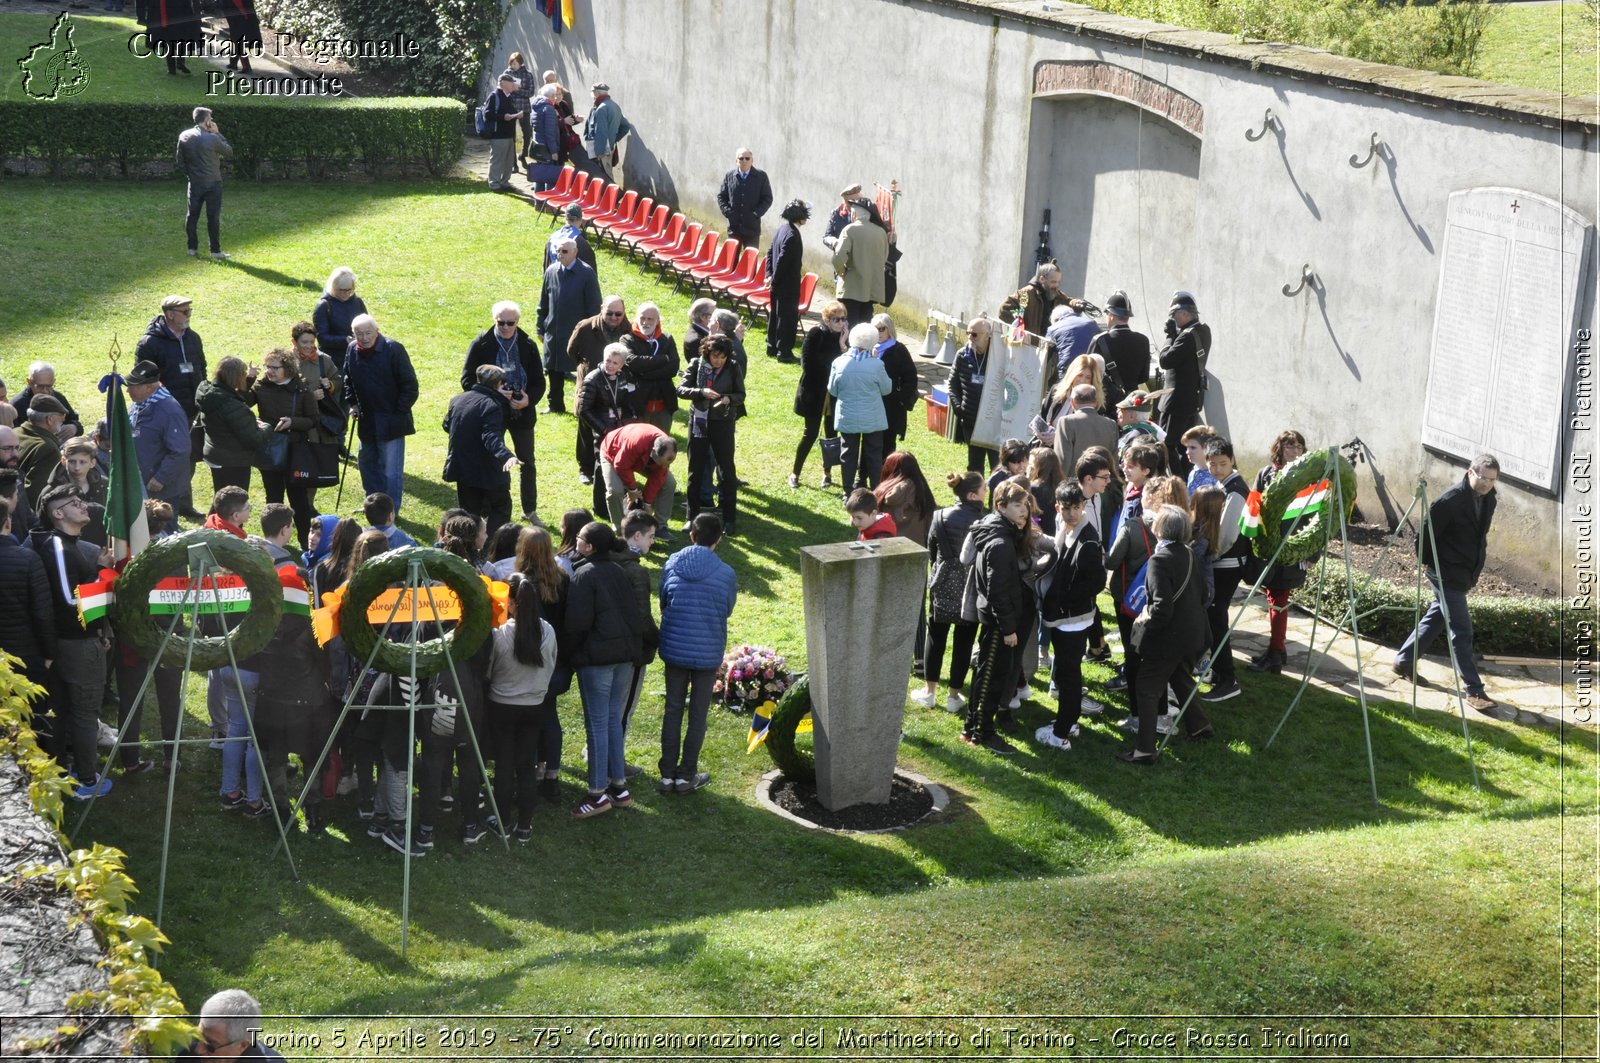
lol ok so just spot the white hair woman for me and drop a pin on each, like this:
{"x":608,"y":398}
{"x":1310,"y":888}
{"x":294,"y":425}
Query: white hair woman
{"x":336,"y":312}
{"x":1169,"y":633}
{"x":858,"y":383}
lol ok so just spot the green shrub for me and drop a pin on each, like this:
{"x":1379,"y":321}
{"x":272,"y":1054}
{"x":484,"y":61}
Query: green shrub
{"x":1515,"y":626}
{"x":291,"y":136}
{"x":454,"y":37}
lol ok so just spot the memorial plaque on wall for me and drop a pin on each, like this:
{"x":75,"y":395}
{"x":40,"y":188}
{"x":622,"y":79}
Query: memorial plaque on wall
{"x":1510,"y":283}
{"x":1013,"y":388}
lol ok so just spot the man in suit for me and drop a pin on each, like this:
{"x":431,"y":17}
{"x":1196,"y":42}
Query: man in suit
{"x":859,"y":259}
{"x":744,"y":197}
{"x":1082,"y":427}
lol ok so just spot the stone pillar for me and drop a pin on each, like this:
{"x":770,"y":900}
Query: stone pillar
{"x":861,"y":602}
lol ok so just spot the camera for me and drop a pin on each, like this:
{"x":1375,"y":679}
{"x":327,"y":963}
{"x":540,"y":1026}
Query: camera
{"x":517,"y":396}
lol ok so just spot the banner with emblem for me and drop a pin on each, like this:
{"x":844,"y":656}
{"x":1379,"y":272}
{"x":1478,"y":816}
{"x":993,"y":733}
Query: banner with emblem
{"x":1013,"y":387}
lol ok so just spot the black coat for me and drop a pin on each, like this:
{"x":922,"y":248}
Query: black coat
{"x":332,"y":319}
{"x":1177,"y":626}
{"x":484,"y":351}
{"x":965,"y":385}
{"x":476,"y":425}
{"x":383,"y":386}
{"x":609,"y":402}
{"x":25,"y":397}
{"x":173,"y":355}
{"x":1077,"y":578}
{"x":66,"y":568}
{"x":902,"y":397}
{"x":233,"y":438}
{"x":729,"y":380}
{"x":996,"y":579}
{"x":785,"y":265}
{"x":817,"y":354}
{"x":743,"y":202}
{"x":24,"y":602}
{"x":603,"y":618}
{"x":1460,"y":544}
{"x":1127,"y":355}
{"x":1180,"y":371}
{"x":653,"y":365}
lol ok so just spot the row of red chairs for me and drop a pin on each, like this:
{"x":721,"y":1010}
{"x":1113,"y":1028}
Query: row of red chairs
{"x":637,"y":225}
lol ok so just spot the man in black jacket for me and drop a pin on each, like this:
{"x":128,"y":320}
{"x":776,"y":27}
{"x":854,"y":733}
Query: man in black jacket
{"x":1183,"y":374}
{"x":79,"y":680}
{"x":744,"y":197}
{"x":24,"y":605}
{"x":1126,"y":352}
{"x":179,"y":353}
{"x":505,"y":344}
{"x":477,"y":458}
{"x":1454,"y":545}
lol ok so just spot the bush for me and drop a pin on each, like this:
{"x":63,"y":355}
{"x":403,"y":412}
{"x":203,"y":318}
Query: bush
{"x":454,"y":37}
{"x":1516,"y":626}
{"x":295,"y":136}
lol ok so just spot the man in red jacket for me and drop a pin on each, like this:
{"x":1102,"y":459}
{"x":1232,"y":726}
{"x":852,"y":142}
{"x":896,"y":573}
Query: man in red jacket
{"x":632,"y":451}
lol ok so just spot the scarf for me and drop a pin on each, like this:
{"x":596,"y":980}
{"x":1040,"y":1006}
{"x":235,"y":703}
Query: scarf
{"x":216,"y":523}
{"x":141,"y":409}
{"x":507,"y":358}
{"x":653,"y":337}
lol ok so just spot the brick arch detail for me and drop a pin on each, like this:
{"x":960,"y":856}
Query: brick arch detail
{"x":1061,"y":77}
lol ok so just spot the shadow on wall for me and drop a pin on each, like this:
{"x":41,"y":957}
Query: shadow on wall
{"x":645,"y":172}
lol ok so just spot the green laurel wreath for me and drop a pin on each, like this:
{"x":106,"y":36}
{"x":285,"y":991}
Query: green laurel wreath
{"x":375,"y":576}
{"x":130,"y":615}
{"x":796,"y":764}
{"x":1311,"y":535}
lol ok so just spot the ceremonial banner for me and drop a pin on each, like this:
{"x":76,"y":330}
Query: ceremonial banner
{"x":1013,"y":387}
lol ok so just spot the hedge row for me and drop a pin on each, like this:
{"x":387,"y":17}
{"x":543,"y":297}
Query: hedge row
{"x":282,"y":136}
{"x":1513,"y":626}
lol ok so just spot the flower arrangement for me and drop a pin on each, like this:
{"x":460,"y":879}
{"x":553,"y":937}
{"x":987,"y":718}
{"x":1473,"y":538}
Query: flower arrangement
{"x":750,"y":675}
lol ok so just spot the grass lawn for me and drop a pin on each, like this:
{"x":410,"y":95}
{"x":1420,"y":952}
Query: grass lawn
{"x":1231,"y":880}
{"x":1541,"y":46}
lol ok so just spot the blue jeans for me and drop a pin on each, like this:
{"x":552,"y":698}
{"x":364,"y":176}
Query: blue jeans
{"x":1432,"y":624}
{"x":383,"y":467}
{"x":605,"y":694}
{"x":209,"y":197}
{"x":236,"y":755}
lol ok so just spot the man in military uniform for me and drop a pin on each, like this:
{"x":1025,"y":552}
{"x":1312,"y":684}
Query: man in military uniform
{"x":1183,"y":375}
{"x":1125,"y":352}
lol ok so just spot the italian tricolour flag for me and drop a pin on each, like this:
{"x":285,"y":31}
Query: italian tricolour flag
{"x":1250,"y":523}
{"x":94,"y":599}
{"x":1307,"y":501}
{"x":296,"y":596}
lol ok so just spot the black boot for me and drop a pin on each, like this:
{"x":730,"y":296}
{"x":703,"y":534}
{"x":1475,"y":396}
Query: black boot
{"x":1272,"y":662}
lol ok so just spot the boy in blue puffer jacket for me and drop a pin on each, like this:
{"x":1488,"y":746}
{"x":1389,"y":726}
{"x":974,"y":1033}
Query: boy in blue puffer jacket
{"x":697,"y":595}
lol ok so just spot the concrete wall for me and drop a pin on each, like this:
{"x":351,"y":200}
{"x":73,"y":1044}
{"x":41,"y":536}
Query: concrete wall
{"x":1140,"y":152}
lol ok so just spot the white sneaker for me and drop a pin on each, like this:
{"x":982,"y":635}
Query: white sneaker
{"x":794,"y":481}
{"x":1129,"y":724}
{"x":1168,"y":724}
{"x":955,"y":703}
{"x":926,"y":698}
{"x":1015,"y":703}
{"x":1090,"y":707}
{"x":348,"y":784}
{"x":107,"y":736}
{"x":1046,"y":662}
{"x":1046,"y":735}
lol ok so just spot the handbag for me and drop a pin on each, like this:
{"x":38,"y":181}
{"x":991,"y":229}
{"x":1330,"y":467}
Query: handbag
{"x":832,"y":450}
{"x":274,"y":452}
{"x":1134,"y":593}
{"x":1141,"y":623}
{"x":313,"y":465}
{"x":945,"y":592}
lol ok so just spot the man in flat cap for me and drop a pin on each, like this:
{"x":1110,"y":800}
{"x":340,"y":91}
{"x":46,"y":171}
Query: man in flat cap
{"x":180,"y":357}
{"x":39,"y":441}
{"x":160,"y":435}
{"x":603,"y":130}
{"x":1183,"y":370}
{"x":840,"y":217}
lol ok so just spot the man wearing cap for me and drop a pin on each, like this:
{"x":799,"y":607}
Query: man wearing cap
{"x":380,"y":388}
{"x":1125,"y":352}
{"x":180,"y":355}
{"x":785,"y":270}
{"x":1133,"y":420}
{"x":78,"y":683}
{"x":848,"y":196}
{"x":1036,"y":299}
{"x":571,"y":230}
{"x":42,"y":381}
{"x":859,"y":258}
{"x":744,"y":197}
{"x":1182,"y":363}
{"x":603,"y":130}
{"x":201,"y":149}
{"x":161,"y":435}
{"x":39,"y":442}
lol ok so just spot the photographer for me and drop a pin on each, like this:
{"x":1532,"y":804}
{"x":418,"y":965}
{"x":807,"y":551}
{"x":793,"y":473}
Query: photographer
{"x":477,"y":458}
{"x":1183,"y":375}
{"x":506,"y":345}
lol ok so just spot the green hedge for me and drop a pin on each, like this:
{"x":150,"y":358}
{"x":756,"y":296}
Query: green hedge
{"x":286,"y":137}
{"x":1515,"y":626}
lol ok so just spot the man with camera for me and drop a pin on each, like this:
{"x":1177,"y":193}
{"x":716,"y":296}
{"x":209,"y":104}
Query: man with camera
{"x":477,"y":459}
{"x":506,"y":345}
{"x":1183,"y":375}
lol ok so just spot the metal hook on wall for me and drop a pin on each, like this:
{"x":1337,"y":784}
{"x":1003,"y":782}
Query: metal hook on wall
{"x":1307,"y":278}
{"x":1375,"y":149}
{"x":1268,"y":121}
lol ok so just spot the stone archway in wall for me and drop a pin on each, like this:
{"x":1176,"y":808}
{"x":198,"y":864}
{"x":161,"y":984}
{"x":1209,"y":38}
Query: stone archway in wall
{"x":1115,"y":156}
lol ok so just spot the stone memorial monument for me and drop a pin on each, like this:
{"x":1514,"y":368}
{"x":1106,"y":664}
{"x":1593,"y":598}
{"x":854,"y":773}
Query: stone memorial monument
{"x":1510,"y":280}
{"x":861,"y":602}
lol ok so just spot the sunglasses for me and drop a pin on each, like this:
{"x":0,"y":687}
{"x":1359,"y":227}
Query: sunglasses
{"x":506,"y":324}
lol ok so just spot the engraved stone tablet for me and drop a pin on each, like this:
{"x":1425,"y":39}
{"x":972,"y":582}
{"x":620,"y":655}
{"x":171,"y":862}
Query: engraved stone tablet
{"x":1513,"y":266}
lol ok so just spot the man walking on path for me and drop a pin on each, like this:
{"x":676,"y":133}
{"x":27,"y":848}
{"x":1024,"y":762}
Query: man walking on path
{"x":201,"y":149}
{"x":1454,"y":556}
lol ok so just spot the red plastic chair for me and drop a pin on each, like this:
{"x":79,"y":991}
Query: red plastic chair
{"x":687,"y":247}
{"x":620,"y":209}
{"x":578,"y":187}
{"x":808,"y":288}
{"x":761,"y":301}
{"x":705,"y":258}
{"x":651,"y":230}
{"x":562,"y":186}
{"x":743,"y":268}
{"x":640,"y":221}
{"x":742,"y":291}
{"x":665,"y":240}
{"x":593,"y":194}
{"x":727,"y":259}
